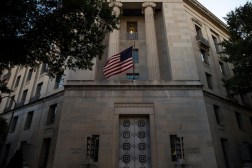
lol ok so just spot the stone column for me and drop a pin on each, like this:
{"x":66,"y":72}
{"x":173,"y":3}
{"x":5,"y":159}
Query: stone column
{"x":151,"y":41}
{"x":114,"y":37}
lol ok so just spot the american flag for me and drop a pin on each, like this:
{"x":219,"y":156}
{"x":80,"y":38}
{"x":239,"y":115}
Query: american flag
{"x":118,"y":63}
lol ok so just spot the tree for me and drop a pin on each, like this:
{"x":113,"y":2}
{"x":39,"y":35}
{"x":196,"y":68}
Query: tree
{"x":237,"y":50}
{"x":62,"y":34}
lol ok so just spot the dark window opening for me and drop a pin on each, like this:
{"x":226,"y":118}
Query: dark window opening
{"x":13,"y":124}
{"x":51,"y":114}
{"x":28,"y":121}
{"x":17,"y":81}
{"x":209,"y":81}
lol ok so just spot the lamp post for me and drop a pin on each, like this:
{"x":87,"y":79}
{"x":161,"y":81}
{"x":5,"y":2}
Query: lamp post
{"x":2,"y":159}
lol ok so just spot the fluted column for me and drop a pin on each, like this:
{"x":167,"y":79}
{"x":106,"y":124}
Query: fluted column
{"x":151,"y":41}
{"x":114,"y":37}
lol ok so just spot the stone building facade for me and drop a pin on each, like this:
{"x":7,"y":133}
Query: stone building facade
{"x":175,"y":113}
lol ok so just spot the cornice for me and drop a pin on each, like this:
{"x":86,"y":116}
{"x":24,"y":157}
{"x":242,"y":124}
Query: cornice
{"x":204,"y":10}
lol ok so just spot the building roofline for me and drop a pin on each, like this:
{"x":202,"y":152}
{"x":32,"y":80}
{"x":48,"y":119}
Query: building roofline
{"x":204,"y":10}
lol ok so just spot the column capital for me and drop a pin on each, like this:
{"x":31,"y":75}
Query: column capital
{"x":115,"y":4}
{"x":149,"y":4}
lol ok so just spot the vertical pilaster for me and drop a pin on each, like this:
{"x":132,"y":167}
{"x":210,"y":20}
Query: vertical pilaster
{"x":151,"y":41}
{"x":114,"y":37}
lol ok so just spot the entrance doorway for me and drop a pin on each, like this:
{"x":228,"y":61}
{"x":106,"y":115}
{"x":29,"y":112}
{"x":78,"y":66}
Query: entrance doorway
{"x":134,"y":143}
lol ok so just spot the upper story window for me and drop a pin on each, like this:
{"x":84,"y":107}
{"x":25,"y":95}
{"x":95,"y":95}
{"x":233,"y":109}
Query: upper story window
{"x":204,"y":56}
{"x":51,"y":114}
{"x":29,"y":75}
{"x":28,"y":121}
{"x":135,"y":55}
{"x":209,"y":81}
{"x":24,"y":96}
{"x":216,"y":42}
{"x":239,"y":120}
{"x":132,"y":30}
{"x":14,"y":124}
{"x":38,"y":90}
{"x":218,"y":115}
{"x":17,"y":81}
{"x":222,"y":68}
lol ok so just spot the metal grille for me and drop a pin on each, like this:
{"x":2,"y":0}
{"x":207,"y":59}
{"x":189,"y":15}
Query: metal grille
{"x":134,"y":143}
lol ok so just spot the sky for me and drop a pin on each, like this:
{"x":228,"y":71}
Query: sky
{"x":221,"y":7}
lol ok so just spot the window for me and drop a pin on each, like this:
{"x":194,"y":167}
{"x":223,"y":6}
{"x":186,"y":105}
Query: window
{"x":222,"y":68}
{"x":29,"y":75}
{"x":217,"y":47}
{"x":239,"y":120}
{"x":224,"y":145}
{"x":51,"y":114}
{"x":218,"y":115}
{"x":132,"y":76}
{"x":204,"y":56}
{"x":92,"y":148}
{"x":24,"y":96}
{"x":43,"y":68}
{"x":177,"y":147}
{"x":11,"y":101}
{"x":13,"y":124}
{"x":59,"y":81}
{"x":38,"y":90}
{"x":132,"y":31}
{"x":17,"y":81}
{"x":198,"y":31}
{"x":28,"y":121}
{"x":45,"y":153}
{"x":135,"y":55}
{"x":209,"y":81}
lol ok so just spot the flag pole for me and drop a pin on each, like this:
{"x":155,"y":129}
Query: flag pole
{"x":133,"y":61}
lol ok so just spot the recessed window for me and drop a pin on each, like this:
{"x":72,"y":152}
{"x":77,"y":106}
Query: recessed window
{"x":209,"y":81}
{"x":217,"y":47}
{"x":28,"y":121}
{"x":11,"y":101}
{"x":14,"y":124}
{"x":38,"y":90}
{"x":51,"y":114}
{"x":204,"y":56}
{"x":239,"y":120}
{"x":218,"y":115}
{"x":132,"y":76}
{"x":135,"y":55}
{"x":222,"y":68}
{"x":29,"y":75}
{"x":24,"y":96}
{"x":198,"y":31}
{"x":17,"y":81}
{"x":132,"y":31}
